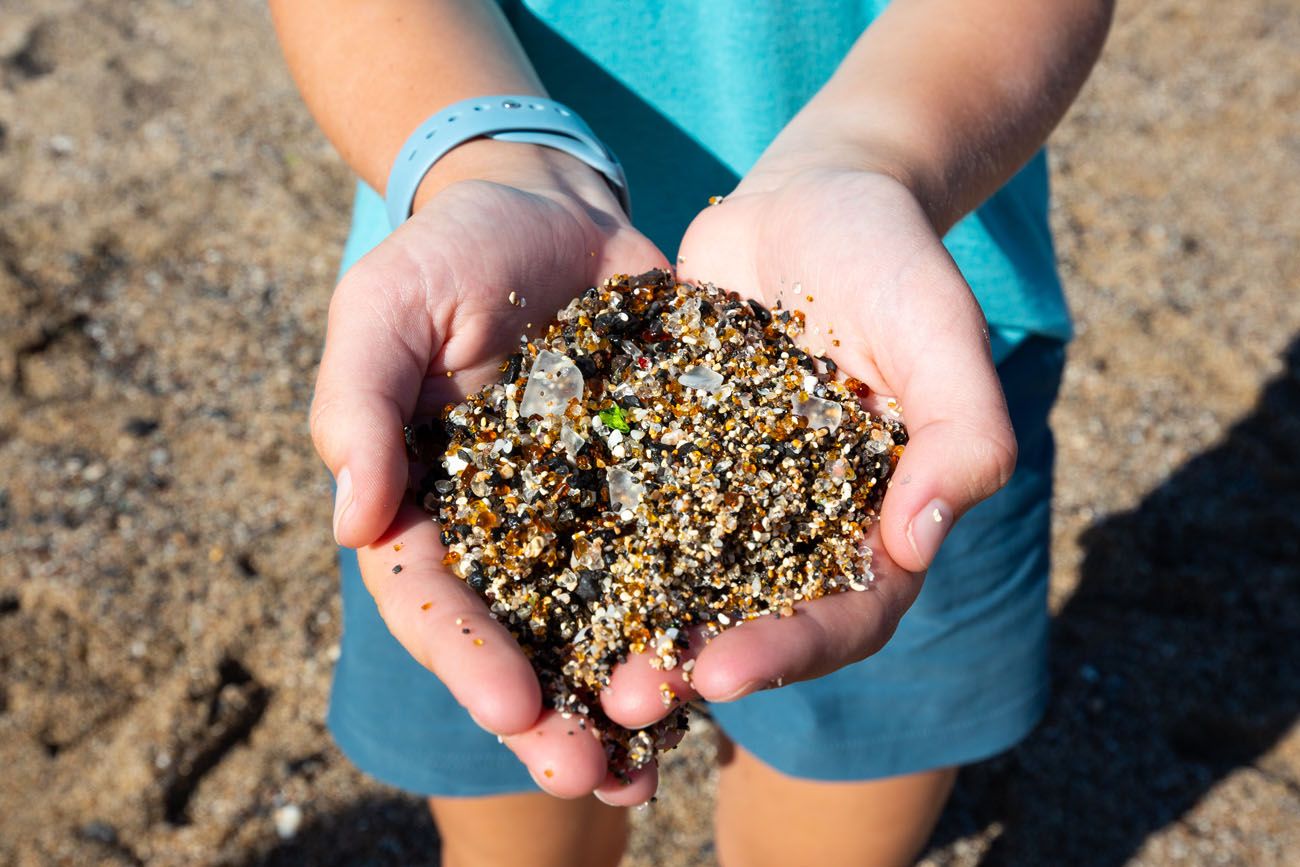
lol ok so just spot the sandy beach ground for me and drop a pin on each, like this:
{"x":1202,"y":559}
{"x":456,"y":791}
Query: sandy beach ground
{"x":170,"y":224}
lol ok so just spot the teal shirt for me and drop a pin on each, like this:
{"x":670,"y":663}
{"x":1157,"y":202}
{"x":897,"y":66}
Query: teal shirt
{"x":688,"y":93}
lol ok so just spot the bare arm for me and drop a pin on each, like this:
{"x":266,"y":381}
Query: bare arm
{"x":951,"y":97}
{"x":423,"y":319}
{"x":371,"y":72}
{"x":936,"y":106}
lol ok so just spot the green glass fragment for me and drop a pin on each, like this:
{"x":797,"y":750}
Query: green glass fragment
{"x":613,"y":417}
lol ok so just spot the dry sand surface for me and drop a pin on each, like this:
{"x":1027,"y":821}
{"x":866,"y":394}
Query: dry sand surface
{"x":170,"y":222}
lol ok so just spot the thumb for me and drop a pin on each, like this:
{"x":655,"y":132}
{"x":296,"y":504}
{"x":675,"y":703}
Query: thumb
{"x":378,"y":346}
{"x":961,"y":448}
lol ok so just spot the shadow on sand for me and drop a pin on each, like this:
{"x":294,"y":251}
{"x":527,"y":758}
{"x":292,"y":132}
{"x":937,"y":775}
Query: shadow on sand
{"x":1173,"y":664}
{"x":381,"y":830}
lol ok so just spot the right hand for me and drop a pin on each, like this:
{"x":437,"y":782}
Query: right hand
{"x":425,"y":319}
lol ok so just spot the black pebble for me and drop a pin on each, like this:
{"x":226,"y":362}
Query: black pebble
{"x":585,"y":366}
{"x":409,"y":435}
{"x":514,"y":366}
{"x":141,"y":427}
{"x":760,"y":312}
{"x":618,"y":324}
{"x":588,"y":589}
{"x":648,"y":279}
{"x":100,"y":832}
{"x":397,"y":569}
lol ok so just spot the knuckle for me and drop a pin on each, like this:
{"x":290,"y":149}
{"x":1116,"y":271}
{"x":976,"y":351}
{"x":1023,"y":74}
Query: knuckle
{"x":317,"y":413}
{"x":319,"y":421}
{"x":995,"y":462}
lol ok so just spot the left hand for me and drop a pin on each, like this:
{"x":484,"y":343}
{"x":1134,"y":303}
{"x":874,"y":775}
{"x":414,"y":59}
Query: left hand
{"x":424,"y":319}
{"x":891,"y":308}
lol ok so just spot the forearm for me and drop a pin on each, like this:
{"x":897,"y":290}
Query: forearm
{"x":951,"y":97}
{"x":371,"y":72}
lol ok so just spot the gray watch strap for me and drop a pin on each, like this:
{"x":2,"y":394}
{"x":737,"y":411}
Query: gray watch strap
{"x":524,"y":119}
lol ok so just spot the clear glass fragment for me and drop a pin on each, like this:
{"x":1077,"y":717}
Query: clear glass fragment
{"x":701,"y":377}
{"x":819,"y":412}
{"x":553,"y":382}
{"x":625,"y":491}
{"x":571,"y":440}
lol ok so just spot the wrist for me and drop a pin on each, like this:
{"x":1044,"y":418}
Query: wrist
{"x":532,"y":168}
{"x":817,"y":145}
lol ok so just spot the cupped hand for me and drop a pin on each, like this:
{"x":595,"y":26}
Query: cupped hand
{"x":858,"y":255}
{"x":426,"y":318}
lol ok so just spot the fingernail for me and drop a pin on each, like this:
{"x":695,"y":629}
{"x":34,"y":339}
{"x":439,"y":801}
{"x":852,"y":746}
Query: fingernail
{"x":342,"y":499}
{"x":601,"y":798}
{"x":742,"y":691}
{"x":928,"y":529}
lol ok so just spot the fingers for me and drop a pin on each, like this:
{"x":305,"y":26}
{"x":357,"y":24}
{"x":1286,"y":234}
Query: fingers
{"x":628,"y":252}
{"x":961,"y":448}
{"x":640,"y":785}
{"x":636,"y":790}
{"x":710,"y":249}
{"x":564,"y":758}
{"x":377,"y":350}
{"x":635,"y":696}
{"x":825,"y":634}
{"x":447,"y":628}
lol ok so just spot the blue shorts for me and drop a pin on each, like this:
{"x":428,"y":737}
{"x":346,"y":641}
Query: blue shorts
{"x":964,"y":678}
